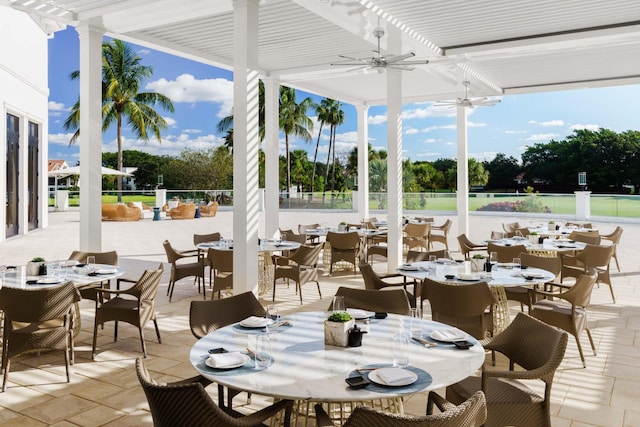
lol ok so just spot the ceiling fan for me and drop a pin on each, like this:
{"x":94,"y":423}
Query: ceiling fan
{"x":380,"y":62}
{"x":468,"y":102}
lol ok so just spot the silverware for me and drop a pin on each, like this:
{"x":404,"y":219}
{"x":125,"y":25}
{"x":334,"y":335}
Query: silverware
{"x":424,"y":342}
{"x":255,"y":355}
{"x":275,"y":325}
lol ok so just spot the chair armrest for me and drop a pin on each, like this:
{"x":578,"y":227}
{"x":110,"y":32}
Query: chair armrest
{"x":441,"y":403}
{"x":322,"y":418}
{"x":257,"y":417}
{"x":114,"y":291}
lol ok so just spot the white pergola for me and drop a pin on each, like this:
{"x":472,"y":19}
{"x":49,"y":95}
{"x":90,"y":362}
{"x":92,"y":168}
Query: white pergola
{"x":502,"y":46}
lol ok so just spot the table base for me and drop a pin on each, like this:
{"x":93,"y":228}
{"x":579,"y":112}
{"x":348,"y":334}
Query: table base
{"x":501,"y":318}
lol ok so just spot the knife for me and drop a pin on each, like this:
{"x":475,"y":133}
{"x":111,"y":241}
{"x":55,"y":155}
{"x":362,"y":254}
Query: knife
{"x":424,"y":342}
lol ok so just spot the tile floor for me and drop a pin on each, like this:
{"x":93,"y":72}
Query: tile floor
{"x":106,"y":391}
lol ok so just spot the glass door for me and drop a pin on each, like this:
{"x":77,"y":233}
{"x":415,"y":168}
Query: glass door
{"x":13,"y":169}
{"x":34,"y":174}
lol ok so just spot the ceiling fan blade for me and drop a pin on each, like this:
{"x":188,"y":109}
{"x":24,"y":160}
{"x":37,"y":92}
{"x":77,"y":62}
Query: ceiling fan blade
{"x":397,"y":58}
{"x":351,"y":58}
{"x":414,"y":62}
{"x":350,"y":64}
{"x":485,"y":102}
{"x":400,"y":67}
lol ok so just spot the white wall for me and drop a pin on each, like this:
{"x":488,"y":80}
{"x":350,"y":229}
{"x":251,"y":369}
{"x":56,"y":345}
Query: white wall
{"x":24,"y":93}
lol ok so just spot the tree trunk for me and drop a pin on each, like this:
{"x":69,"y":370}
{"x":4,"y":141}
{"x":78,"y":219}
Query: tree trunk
{"x":315,"y":158}
{"x":326,"y":172}
{"x":286,"y":139}
{"x":120,"y":166}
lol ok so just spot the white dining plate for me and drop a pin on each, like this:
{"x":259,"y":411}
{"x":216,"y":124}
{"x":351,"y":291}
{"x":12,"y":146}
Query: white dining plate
{"x":408,"y":377}
{"x":68,"y":263}
{"x":255,"y":322}
{"x":49,"y":280}
{"x":235,"y":365}
{"x":468,"y":277}
{"x":533,"y":275}
{"x":106,"y":271}
{"x":409,"y":267}
{"x":358,"y":314}
{"x":448,"y":335}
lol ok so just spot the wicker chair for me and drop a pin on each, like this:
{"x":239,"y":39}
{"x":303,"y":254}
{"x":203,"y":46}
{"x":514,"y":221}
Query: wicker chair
{"x":135,"y":306}
{"x":301,"y":267}
{"x":417,"y":235}
{"x":203,"y":238}
{"x":467,"y":307}
{"x":345,"y":247}
{"x":471,"y":413}
{"x":108,"y":258}
{"x":538,"y":349}
{"x":467,"y":246}
{"x":590,"y":238}
{"x":440,"y":234}
{"x":394,"y":301}
{"x":568,"y":310}
{"x":510,"y":227}
{"x":597,"y":257}
{"x":209,"y":210}
{"x":221,"y":271}
{"x":373,"y":282}
{"x":614,"y":238}
{"x":37,"y":319}
{"x":302,"y":229}
{"x":186,"y":403}
{"x":181,"y":269}
{"x":207,"y":316}
{"x":506,"y":253}
{"x":183,"y":211}
{"x":523,"y":294}
{"x":415,"y":256}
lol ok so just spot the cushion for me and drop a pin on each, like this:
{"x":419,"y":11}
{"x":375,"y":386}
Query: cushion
{"x":172,"y":204}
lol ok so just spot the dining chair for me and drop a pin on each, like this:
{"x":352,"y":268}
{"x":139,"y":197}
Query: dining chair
{"x":467,"y":246}
{"x":577,"y":224}
{"x":497,"y":235}
{"x":203,"y":238}
{"x":221,"y":272}
{"x":37,"y":319}
{"x":597,"y":257}
{"x":135,"y":306}
{"x":107,"y":258}
{"x":392,"y":301}
{"x":344,"y":247}
{"x":416,"y":235}
{"x":567,"y":310}
{"x":374,"y":282}
{"x":590,"y":238}
{"x":506,"y":253}
{"x":537,"y":349}
{"x":523,"y":294}
{"x":468,"y":307}
{"x":184,"y":264}
{"x":614,"y":237}
{"x":440,"y":234}
{"x":186,"y":403}
{"x":301,"y":267}
{"x":416,"y":256}
{"x":208,"y":316}
{"x":510,"y":227}
{"x":302,"y":229}
{"x":471,"y":413}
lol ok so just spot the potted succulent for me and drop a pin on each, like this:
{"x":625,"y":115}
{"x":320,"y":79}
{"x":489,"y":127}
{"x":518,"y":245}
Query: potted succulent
{"x":477,"y":262}
{"x":336,"y":328}
{"x":342,"y":226}
{"x":533,"y":237}
{"x":551,"y":226}
{"x":37,"y":267}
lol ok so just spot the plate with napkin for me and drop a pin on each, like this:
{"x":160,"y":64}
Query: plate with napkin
{"x":106,"y":270}
{"x":358,"y":314}
{"x":230,"y":360}
{"x":448,"y":335}
{"x":409,"y":267}
{"x":255,"y":322}
{"x":394,"y":377}
{"x":49,"y":280}
{"x":468,"y":277}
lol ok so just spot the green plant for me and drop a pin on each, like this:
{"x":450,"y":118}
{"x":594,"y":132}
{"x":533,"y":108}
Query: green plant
{"x":340,"y":316}
{"x":38,"y":259}
{"x":478,"y":256}
{"x":552,"y":222}
{"x":534,"y":233}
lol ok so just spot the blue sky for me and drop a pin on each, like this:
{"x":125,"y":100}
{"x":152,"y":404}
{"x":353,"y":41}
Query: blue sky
{"x":202,"y":94}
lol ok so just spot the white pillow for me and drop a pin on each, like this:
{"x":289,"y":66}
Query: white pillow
{"x":137,"y":205}
{"x":172,"y":204}
{"x":210,"y":203}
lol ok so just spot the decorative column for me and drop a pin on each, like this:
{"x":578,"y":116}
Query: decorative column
{"x":462,"y":196}
{"x":245,"y":146}
{"x":90,"y":137}
{"x":272,"y":154}
{"x":363,"y":160}
{"x":583,"y":205}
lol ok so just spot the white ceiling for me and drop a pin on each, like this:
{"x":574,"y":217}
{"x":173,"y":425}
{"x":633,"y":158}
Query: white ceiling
{"x":501,"y":46}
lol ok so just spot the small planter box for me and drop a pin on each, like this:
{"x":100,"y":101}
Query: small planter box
{"x":337,"y":333}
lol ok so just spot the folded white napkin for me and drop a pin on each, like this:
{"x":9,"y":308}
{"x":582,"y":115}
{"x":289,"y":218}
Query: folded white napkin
{"x":409,"y":267}
{"x":392,"y":376}
{"x":107,"y":270}
{"x":448,"y":334}
{"x":220,"y":360}
{"x":356,"y":313}
{"x":254,"y":322}
{"x":468,"y":276}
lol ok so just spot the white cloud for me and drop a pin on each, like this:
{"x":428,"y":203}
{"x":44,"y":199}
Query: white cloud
{"x":186,"y":88}
{"x":171,"y":145}
{"x":430,"y":111}
{"x":60,"y":138}
{"x":144,"y":52}
{"x":547,"y":123}
{"x":593,"y":128}
{"x":542,"y":137}
{"x":430,"y":141}
{"x":56,"y":106}
{"x":191,"y":131}
{"x":475,"y":124}
{"x":378,"y":119}
{"x":431,"y":128}
{"x":485,"y":156}
{"x":410,"y":131}
{"x":171,"y":122}
{"x":513,"y":132}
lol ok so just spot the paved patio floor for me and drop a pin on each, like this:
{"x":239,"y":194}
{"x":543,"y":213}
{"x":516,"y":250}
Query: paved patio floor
{"x":106,"y":391}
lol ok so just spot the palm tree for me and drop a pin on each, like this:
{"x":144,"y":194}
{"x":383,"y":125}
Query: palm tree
{"x":122,"y":77}
{"x":293,"y":120}
{"x":321,"y":110}
{"x":225,"y":125}
{"x":335,"y":117}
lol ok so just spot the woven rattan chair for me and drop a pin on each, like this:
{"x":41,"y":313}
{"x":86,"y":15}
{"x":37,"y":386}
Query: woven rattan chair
{"x":597,"y":257}
{"x":186,"y":403}
{"x":184,"y":264}
{"x":208,"y":316}
{"x":391,"y":301}
{"x":416,"y":235}
{"x":345,"y":247}
{"x":135,"y":306}
{"x":37,"y":319}
{"x":471,"y":413}
{"x":506,"y":253}
{"x":614,"y":238}
{"x":538,"y":349}
{"x":203,"y":238}
{"x":522,"y":294}
{"x":221,"y":272}
{"x":467,"y":246}
{"x":415,"y":256}
{"x":590,"y":238}
{"x":510,"y":227}
{"x":467,"y":307}
{"x":440,"y":234}
{"x":108,"y":258}
{"x":302,"y":229}
{"x":568,"y":310}
{"x":301,"y":267}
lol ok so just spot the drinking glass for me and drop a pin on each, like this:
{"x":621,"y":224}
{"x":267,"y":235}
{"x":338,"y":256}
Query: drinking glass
{"x":416,"y":322}
{"x":516,"y":265}
{"x":272,"y":317}
{"x":338,"y":303}
{"x":91,"y":262}
{"x":493,"y":258}
{"x":400,"y":349}
{"x":261,"y":349}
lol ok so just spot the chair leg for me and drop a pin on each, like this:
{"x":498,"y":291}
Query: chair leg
{"x":593,"y":347}
{"x":155,"y":323}
{"x":67,"y":362}
{"x":584,"y":364}
{"x":95,"y":338}
{"x":319,"y":292}
{"x":6,"y":374}
{"x":144,"y":346}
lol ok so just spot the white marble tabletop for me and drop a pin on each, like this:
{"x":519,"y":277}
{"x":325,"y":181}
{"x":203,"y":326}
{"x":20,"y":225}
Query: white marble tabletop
{"x":264,"y":246}
{"x":554,"y":245}
{"x":303,"y":368}
{"x":79,"y":274}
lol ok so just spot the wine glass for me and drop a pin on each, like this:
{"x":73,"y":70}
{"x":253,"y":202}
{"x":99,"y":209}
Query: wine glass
{"x":338,"y":303}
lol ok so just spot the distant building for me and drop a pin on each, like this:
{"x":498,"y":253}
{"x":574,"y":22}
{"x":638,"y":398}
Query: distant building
{"x":62,"y":182}
{"x":129,"y":182}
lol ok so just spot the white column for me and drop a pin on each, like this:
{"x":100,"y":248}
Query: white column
{"x":363,"y":160}
{"x":272,"y":154}
{"x":583,"y":205}
{"x":245,"y":146}
{"x":90,"y":137}
{"x":462,"y":197}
